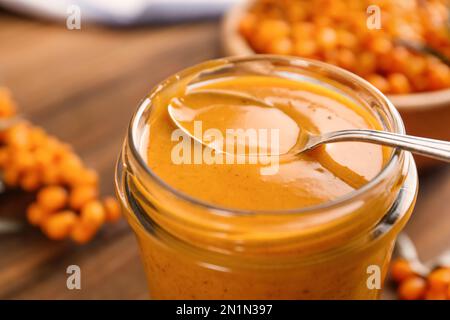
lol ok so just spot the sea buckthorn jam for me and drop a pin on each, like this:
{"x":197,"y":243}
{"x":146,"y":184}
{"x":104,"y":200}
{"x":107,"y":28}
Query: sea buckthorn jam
{"x":212,"y":225}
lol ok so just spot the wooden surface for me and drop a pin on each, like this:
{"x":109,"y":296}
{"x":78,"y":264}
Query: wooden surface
{"x":83,"y":86}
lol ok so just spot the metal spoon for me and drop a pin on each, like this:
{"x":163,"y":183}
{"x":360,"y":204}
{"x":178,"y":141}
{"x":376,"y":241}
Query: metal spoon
{"x":432,"y":148}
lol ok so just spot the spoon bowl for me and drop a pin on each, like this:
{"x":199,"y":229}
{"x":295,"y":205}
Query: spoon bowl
{"x":253,"y":131}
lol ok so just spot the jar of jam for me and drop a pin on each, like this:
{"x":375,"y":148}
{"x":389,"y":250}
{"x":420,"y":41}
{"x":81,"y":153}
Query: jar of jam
{"x":320,"y":225}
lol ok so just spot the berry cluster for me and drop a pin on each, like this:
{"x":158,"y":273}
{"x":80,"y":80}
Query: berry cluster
{"x":67,"y":199}
{"x":411,"y":286}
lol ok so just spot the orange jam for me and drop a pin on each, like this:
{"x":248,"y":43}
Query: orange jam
{"x":304,"y":180}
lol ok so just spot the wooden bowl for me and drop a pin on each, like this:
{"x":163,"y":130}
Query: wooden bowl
{"x":424,"y":114}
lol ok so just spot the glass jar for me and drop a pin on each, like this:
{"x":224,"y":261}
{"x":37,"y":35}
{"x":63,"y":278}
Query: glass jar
{"x":336,"y":250}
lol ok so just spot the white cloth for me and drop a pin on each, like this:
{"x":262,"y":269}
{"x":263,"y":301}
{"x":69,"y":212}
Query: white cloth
{"x":123,"y":12}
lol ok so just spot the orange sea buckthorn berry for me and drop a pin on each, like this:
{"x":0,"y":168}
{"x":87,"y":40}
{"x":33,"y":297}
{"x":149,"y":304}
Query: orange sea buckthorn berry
{"x":346,"y":39}
{"x":88,"y":177}
{"x":80,"y":177}
{"x":439,"y":76}
{"x":36,"y":214}
{"x":401,"y":270}
{"x":82,"y":233}
{"x":51,"y":176}
{"x":296,"y":12}
{"x":52,"y":144}
{"x":305,"y":48}
{"x":302,"y":30}
{"x":380,"y":45}
{"x":72,"y":161}
{"x":59,"y":225}
{"x":400,"y":59}
{"x":379,"y":82}
{"x":399,"y":83}
{"x":367,"y":63}
{"x":247,"y":25}
{"x":37,"y":137}
{"x":275,"y":28}
{"x":11,"y":176}
{"x":112,"y":209}
{"x":268,"y":31}
{"x":330,"y":56}
{"x":42,"y":158}
{"x":439,"y":279}
{"x":416,"y":66}
{"x":52,"y":198}
{"x":17,"y":136}
{"x":327,"y":38}
{"x":346,"y":59}
{"x":322,"y":21}
{"x":70,"y":168}
{"x":30,"y":180}
{"x":81,"y":195}
{"x":419,"y":83}
{"x":413,"y":288}
{"x":61,"y":151}
{"x":23,"y":159}
{"x":93,"y":213}
{"x":385,"y":63}
{"x":281,"y":46}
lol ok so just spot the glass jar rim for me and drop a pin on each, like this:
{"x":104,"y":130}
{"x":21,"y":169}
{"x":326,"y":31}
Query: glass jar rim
{"x":386,"y":171}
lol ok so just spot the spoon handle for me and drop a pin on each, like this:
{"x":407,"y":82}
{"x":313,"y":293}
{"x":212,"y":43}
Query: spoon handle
{"x":432,"y":148}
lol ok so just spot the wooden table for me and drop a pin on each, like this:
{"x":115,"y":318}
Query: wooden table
{"x":90,"y":81}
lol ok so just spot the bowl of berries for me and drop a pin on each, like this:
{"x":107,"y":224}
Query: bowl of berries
{"x":400,"y":47}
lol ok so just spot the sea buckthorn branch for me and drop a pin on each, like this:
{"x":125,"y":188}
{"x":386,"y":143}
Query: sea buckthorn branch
{"x":67,"y":197}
